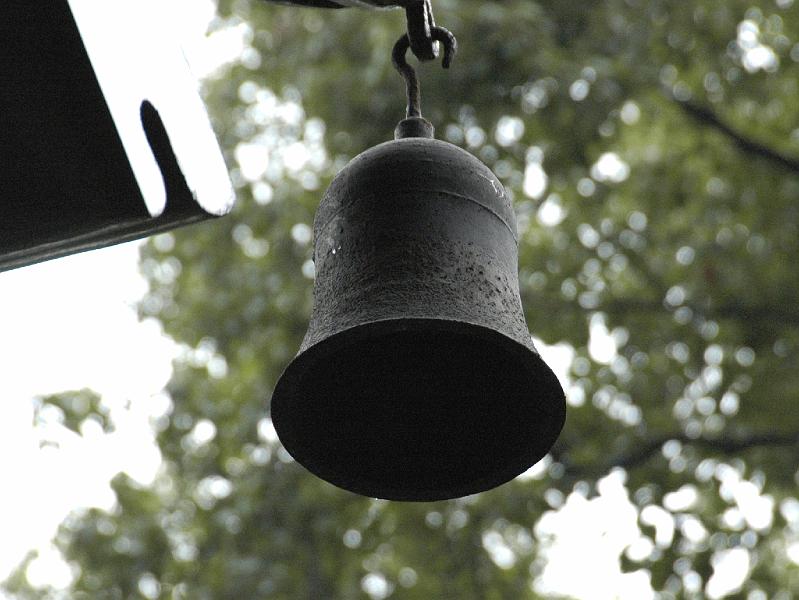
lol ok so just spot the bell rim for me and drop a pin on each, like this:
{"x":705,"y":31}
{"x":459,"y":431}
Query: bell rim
{"x":549,"y":406}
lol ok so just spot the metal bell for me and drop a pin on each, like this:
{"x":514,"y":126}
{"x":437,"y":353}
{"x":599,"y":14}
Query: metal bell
{"x":417,"y":379}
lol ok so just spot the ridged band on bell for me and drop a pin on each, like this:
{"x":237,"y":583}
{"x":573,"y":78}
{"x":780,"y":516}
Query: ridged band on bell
{"x":417,"y":378}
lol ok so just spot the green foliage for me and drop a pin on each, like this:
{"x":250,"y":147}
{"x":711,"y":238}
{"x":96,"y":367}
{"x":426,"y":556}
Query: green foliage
{"x":670,"y":215}
{"x":73,"y":410}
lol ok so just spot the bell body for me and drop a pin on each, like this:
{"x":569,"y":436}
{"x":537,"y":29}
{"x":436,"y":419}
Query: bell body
{"x":417,"y":379}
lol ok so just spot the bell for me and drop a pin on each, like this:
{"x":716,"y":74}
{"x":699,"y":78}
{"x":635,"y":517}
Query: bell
{"x":417,"y":379}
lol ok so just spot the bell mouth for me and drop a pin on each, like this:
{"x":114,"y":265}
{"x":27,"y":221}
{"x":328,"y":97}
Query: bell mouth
{"x":418,"y":409}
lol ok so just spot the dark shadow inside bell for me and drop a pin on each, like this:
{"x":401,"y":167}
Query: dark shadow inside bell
{"x":418,"y":409}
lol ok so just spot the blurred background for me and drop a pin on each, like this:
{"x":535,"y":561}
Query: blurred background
{"x":652,"y":151}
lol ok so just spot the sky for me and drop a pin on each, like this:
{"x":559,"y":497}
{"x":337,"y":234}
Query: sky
{"x":71,"y":324}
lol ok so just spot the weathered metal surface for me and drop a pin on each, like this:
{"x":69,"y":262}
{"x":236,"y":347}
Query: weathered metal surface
{"x":103,"y":137}
{"x":417,"y":378}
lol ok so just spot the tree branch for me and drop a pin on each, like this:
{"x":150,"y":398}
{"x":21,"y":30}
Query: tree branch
{"x":727,"y":311}
{"x":725,"y":445}
{"x":707,"y":117}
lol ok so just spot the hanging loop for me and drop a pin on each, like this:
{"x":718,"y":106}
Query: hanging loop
{"x":437,"y":34}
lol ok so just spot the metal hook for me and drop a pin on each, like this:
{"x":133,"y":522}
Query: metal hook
{"x":408,"y":73}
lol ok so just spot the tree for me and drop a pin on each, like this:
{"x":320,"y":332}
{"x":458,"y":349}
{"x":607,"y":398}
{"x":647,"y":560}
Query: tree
{"x":652,"y":151}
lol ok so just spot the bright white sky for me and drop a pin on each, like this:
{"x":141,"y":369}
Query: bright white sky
{"x":70,"y":324}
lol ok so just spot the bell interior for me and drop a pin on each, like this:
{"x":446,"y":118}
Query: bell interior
{"x":418,"y":410}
